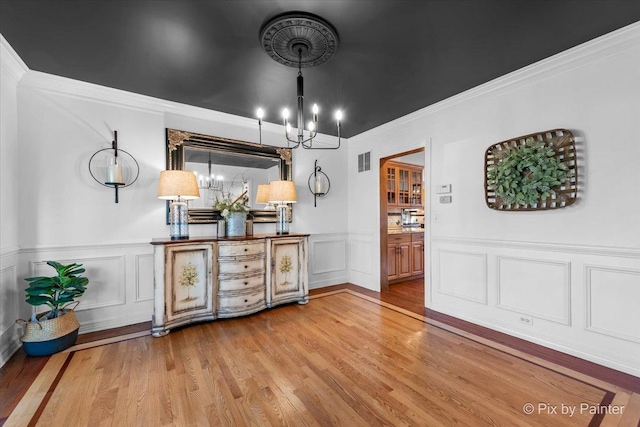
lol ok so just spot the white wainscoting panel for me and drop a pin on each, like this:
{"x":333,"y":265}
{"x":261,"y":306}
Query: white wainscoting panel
{"x":328,"y":255}
{"x":11,"y":300}
{"x":537,"y":287}
{"x":613,"y":290}
{"x":144,"y":278}
{"x":361,"y":253}
{"x":462,"y":274}
{"x":106,"y":280}
{"x":327,"y":259}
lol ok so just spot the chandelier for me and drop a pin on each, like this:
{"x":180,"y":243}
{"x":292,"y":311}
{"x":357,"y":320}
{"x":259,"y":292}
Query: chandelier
{"x":211,"y":181}
{"x":300,"y":39}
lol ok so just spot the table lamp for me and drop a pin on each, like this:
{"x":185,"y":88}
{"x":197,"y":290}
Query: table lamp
{"x":178,"y":186}
{"x":281,"y":193}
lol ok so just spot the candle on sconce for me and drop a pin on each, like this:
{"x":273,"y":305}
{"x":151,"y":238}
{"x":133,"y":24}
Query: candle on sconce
{"x":114,"y":172}
{"x":319,"y":185}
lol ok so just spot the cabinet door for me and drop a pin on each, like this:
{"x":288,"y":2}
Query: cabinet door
{"x":403,"y":186}
{"x":404,"y":260}
{"x":417,"y":258}
{"x":392,"y":261}
{"x":288,"y":270}
{"x":392,"y":190}
{"x":189,"y":281}
{"x":416,"y":187}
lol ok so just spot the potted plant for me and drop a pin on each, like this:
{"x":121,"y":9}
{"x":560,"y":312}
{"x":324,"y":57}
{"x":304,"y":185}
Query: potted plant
{"x":56,"y":329}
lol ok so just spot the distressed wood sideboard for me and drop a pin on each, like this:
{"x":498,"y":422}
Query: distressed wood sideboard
{"x":205,"y":278}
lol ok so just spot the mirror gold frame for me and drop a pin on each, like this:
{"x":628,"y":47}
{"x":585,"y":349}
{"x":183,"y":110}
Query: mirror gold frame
{"x":178,"y":141}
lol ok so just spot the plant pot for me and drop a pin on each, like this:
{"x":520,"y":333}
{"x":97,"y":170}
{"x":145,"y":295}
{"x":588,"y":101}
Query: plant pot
{"x":50,"y":336}
{"x":237,"y":224}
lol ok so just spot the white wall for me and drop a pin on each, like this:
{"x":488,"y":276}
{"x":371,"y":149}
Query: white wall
{"x":574,"y":272}
{"x":50,"y":128}
{"x":11,"y":70}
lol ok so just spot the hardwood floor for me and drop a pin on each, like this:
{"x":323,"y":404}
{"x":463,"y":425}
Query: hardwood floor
{"x":344,"y":359}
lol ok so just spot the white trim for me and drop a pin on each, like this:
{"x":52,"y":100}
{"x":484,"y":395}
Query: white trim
{"x":566,"y":319}
{"x":588,"y":326}
{"x":76,"y":89}
{"x":85,"y":247}
{"x":137,"y":279}
{"x":9,"y":350}
{"x":608,"y":251}
{"x":11,"y":62}
{"x":485,"y":277}
{"x":586,"y":53}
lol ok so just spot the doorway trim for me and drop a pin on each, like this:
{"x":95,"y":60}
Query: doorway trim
{"x":384,"y":229}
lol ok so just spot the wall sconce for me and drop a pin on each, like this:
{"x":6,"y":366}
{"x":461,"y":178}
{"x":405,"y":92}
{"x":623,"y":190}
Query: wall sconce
{"x":178,"y":186}
{"x":281,"y":193}
{"x":319,"y":183}
{"x":119,"y":169}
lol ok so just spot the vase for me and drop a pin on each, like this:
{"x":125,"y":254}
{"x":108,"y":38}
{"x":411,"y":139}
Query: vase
{"x":236,"y":224}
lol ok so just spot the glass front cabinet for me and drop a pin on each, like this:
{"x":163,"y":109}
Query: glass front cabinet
{"x":404,"y":184}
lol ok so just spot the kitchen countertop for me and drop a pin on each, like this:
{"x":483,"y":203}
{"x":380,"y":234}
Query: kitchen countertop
{"x":406,"y":230}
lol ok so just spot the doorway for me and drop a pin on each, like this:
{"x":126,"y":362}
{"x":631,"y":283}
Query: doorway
{"x":402,"y":205}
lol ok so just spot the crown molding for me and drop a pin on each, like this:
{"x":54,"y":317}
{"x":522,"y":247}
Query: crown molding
{"x":11,"y":62}
{"x":63,"y":86}
{"x":589,"y":52}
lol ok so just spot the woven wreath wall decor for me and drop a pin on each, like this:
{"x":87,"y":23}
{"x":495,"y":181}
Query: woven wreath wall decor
{"x":532,"y":172}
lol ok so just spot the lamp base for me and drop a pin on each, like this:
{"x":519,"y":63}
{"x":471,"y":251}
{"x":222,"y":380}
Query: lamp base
{"x":179,"y":221}
{"x":282,"y":225}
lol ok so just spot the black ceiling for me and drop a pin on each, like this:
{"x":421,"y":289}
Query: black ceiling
{"x":394,"y":58}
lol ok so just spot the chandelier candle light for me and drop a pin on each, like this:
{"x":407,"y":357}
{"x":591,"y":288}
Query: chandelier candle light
{"x":299,"y":39}
{"x":178,"y":186}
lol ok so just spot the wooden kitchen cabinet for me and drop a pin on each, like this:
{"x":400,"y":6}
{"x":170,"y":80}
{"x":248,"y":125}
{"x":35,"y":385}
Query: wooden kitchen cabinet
{"x":405,"y":256}
{"x":417,"y":254}
{"x":206,"y":278}
{"x":398,"y":256}
{"x":404,"y":184}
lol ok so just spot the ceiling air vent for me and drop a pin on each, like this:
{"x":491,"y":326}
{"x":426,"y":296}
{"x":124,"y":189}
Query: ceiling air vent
{"x":364,"y":161}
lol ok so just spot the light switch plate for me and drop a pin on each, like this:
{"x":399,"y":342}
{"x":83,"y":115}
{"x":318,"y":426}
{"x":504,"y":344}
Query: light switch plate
{"x":443,"y":188}
{"x":445,"y":199}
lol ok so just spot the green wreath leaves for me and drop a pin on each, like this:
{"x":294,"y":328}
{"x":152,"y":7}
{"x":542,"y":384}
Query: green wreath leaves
{"x":526,"y":174}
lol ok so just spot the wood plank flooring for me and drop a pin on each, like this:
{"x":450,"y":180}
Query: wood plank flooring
{"x":344,"y":359}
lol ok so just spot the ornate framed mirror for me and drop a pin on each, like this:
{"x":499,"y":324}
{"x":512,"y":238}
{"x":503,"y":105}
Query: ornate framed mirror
{"x":227,"y":166}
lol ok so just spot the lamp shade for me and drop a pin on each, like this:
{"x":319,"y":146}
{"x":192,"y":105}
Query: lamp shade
{"x":176,"y":184}
{"x":263,"y":194}
{"x":282,"y":192}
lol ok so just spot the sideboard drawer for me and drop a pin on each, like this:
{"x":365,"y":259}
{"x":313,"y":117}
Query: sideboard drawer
{"x":240,"y":284}
{"x":243,"y":249}
{"x":248,"y":267}
{"x":242,"y":302}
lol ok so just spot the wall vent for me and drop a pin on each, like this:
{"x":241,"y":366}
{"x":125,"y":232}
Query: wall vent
{"x":364,"y":161}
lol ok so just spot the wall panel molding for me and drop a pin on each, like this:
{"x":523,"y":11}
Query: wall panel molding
{"x":336,"y":246}
{"x":545,"y":247}
{"x":600,"y":299}
{"x":361,"y":252}
{"x":532,"y":288}
{"x":117,"y":298}
{"x":140,"y":294}
{"x":456,"y":277}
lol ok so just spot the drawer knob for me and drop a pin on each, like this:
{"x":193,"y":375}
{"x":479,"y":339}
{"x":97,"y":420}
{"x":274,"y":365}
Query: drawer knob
{"x":246,"y":300}
{"x":245,"y":249}
{"x":246,"y":266}
{"x":246,"y":283}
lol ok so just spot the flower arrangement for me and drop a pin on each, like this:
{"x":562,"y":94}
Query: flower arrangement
{"x":227,"y":203}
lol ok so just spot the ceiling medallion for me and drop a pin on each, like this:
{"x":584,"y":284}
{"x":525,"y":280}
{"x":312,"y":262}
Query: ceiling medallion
{"x":300,"y":39}
{"x":284,"y":36}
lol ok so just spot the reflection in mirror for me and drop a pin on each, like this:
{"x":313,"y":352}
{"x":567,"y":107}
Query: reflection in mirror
{"x":227,"y":167}
{"x":229,"y":175}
